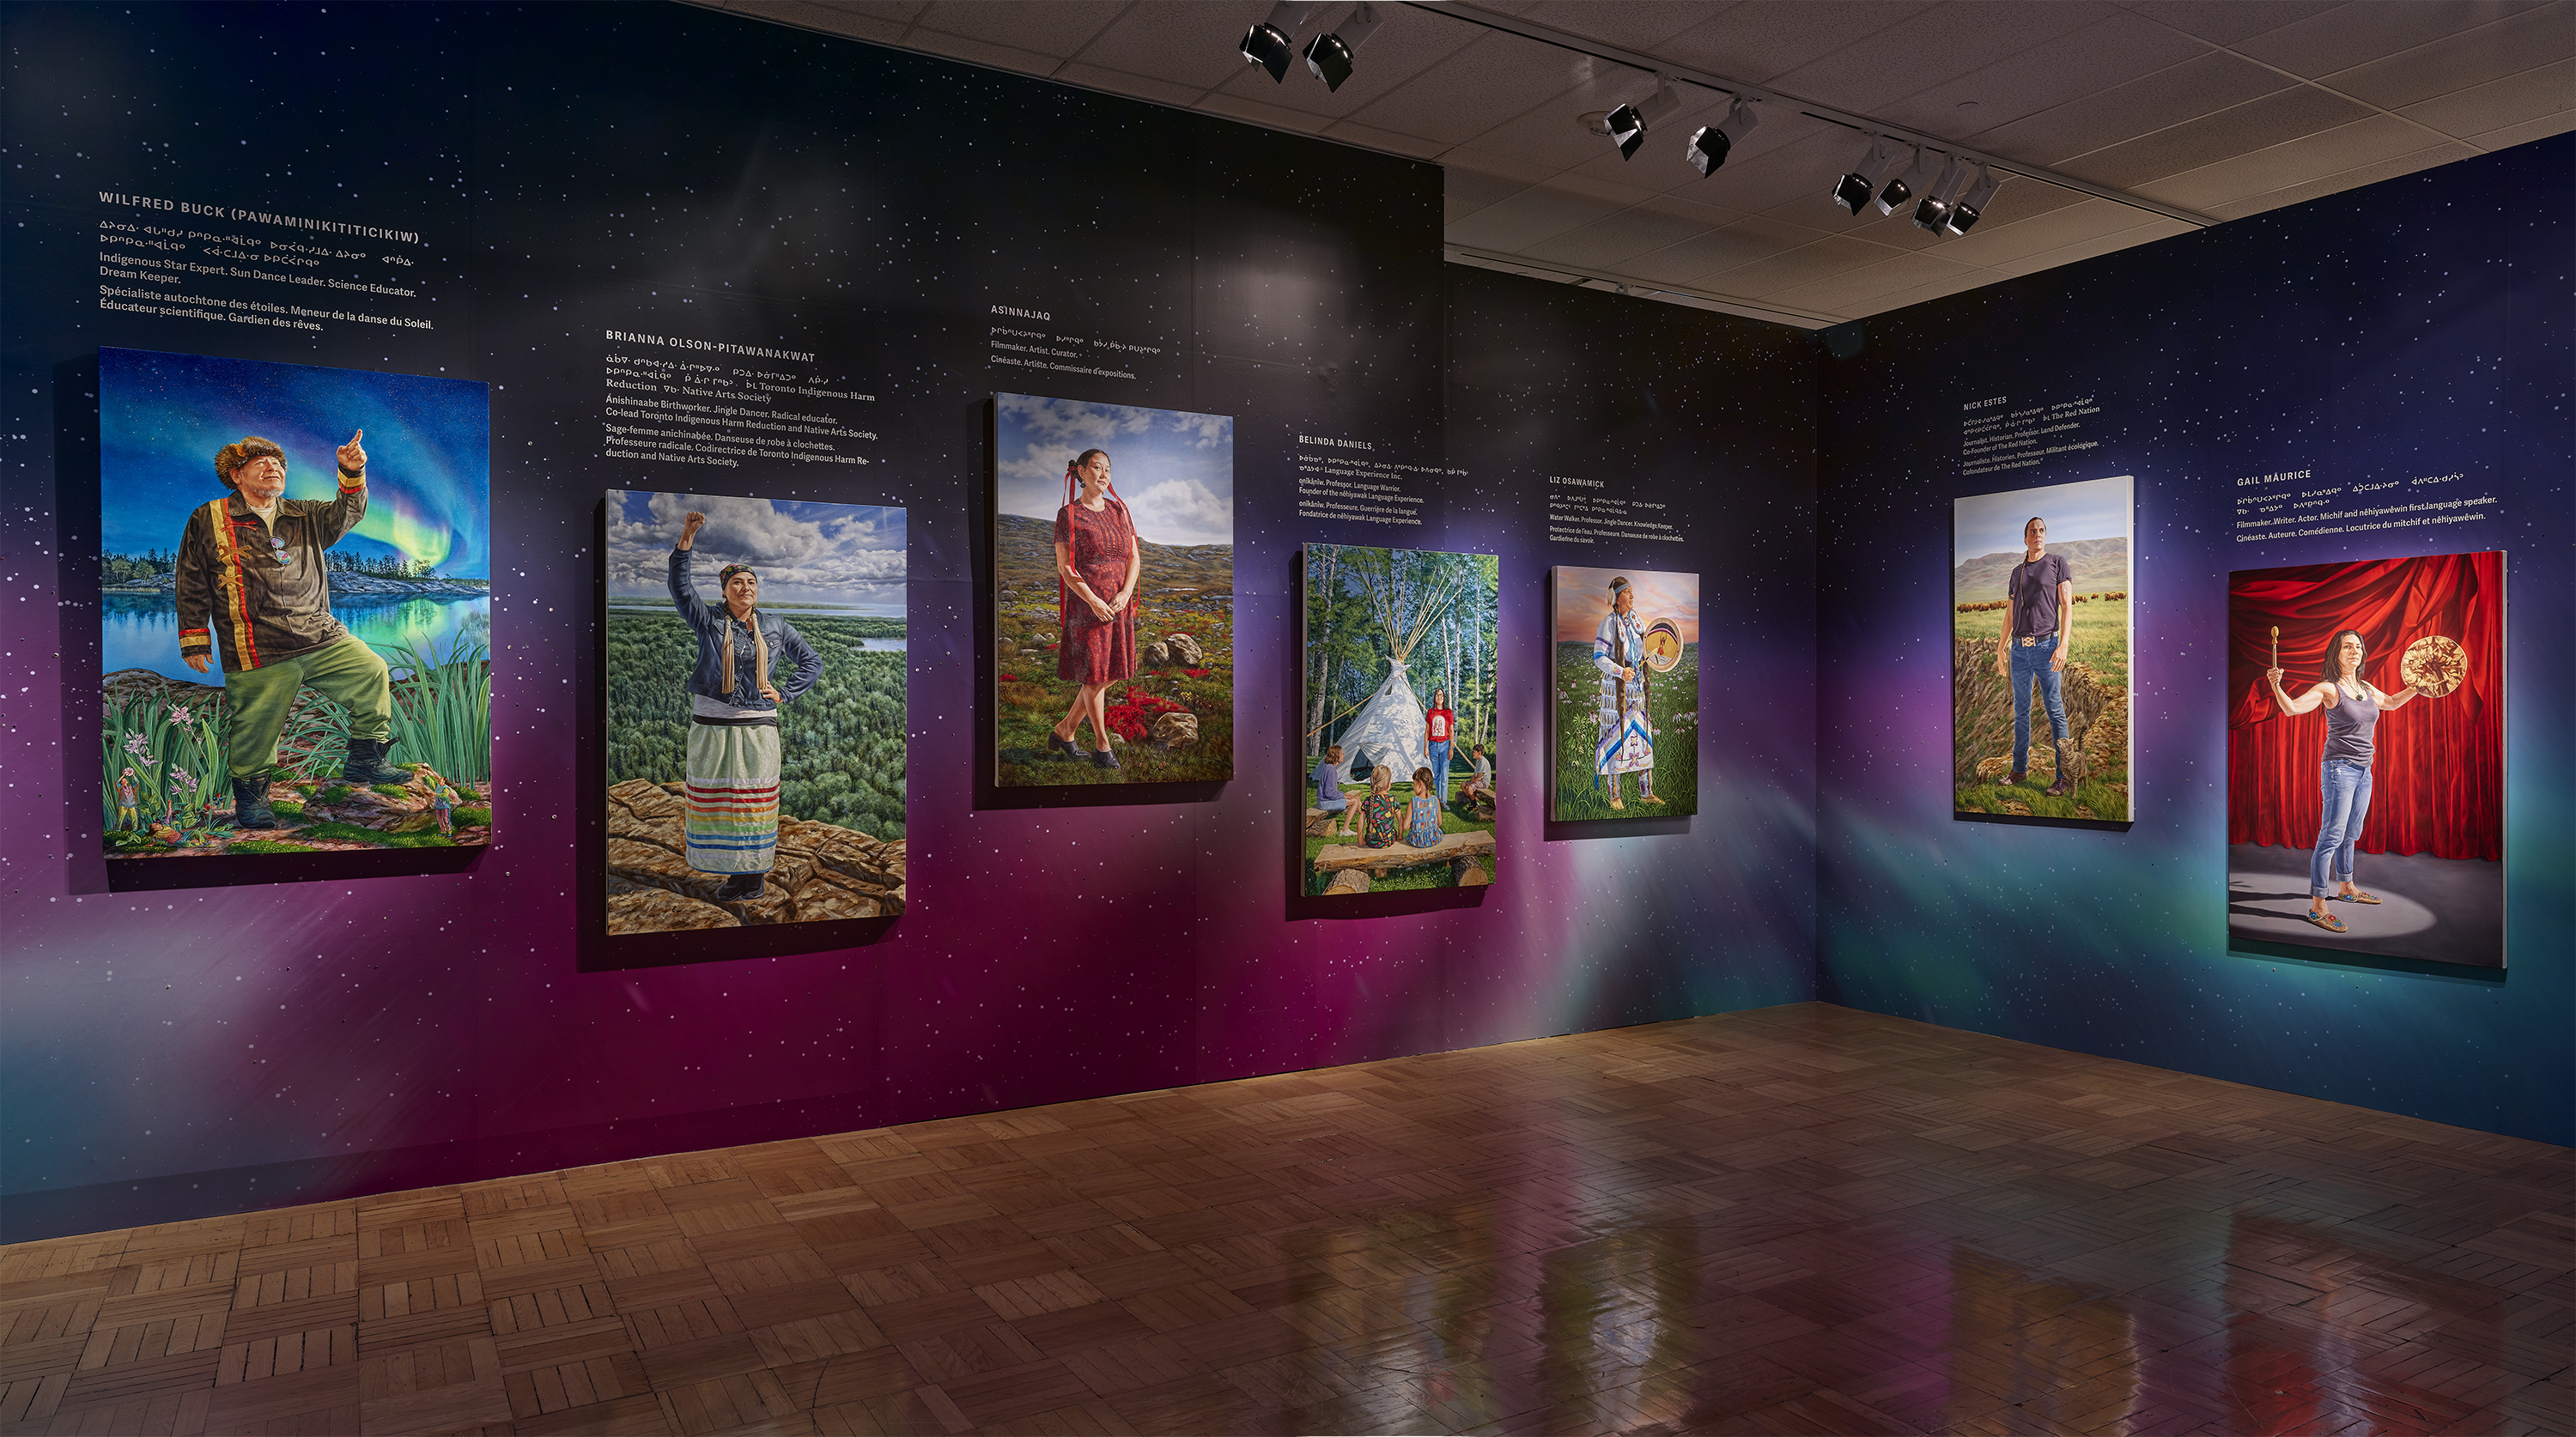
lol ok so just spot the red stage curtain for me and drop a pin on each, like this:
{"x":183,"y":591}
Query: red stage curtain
{"x":2437,"y":781}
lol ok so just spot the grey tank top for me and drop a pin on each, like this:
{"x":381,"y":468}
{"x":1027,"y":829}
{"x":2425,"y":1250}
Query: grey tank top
{"x":2349,"y":726}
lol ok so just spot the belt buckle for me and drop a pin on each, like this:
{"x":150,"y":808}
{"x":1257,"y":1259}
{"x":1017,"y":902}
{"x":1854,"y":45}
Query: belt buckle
{"x":2027,"y":642}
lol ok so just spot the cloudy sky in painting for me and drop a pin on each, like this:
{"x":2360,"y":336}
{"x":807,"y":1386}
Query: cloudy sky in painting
{"x":846,"y":555}
{"x":1175,"y":469}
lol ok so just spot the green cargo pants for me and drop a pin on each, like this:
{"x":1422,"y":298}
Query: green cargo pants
{"x":257,"y":700}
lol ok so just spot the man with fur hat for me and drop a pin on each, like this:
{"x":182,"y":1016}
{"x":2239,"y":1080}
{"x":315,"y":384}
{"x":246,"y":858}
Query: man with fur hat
{"x":253,"y":585}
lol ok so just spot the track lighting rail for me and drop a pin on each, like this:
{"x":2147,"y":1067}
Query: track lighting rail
{"x":1859,"y":124}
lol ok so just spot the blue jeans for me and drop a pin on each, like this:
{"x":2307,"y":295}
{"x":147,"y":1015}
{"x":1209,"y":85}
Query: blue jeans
{"x":1440,"y":768}
{"x":2345,"y":787}
{"x":2030,"y":665}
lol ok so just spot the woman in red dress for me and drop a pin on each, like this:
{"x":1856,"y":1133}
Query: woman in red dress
{"x":1097,"y":564}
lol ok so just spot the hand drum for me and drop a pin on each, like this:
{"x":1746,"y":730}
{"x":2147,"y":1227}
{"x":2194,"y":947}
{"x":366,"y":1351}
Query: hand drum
{"x":1663,"y":645}
{"x":2434,"y":665}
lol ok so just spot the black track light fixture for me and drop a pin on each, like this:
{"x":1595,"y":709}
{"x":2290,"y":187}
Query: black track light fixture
{"x":1709,"y":147}
{"x":1933,"y":211}
{"x":1855,"y":189}
{"x":1627,"y":125}
{"x":1964,"y":214}
{"x":1893,"y":195}
{"x":1329,"y":55}
{"x":1273,"y":43}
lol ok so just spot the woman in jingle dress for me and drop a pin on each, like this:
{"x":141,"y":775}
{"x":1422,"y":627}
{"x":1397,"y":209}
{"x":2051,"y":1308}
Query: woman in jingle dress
{"x":1097,"y":563}
{"x":1626,"y":742}
{"x":2353,"y":707}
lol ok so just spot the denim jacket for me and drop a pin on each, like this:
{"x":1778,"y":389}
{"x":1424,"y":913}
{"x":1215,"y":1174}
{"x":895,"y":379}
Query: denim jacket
{"x":793,"y":664}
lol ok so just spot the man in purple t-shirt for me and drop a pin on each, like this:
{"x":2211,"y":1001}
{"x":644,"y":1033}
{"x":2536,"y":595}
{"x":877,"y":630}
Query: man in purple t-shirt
{"x":2039,"y":631}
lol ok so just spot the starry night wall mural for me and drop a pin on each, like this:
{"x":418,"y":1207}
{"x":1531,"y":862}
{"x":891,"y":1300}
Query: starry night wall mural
{"x":798,"y":279}
{"x":2345,"y":415}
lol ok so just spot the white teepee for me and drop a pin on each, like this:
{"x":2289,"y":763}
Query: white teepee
{"x":1405,"y":602}
{"x":1389,"y":729}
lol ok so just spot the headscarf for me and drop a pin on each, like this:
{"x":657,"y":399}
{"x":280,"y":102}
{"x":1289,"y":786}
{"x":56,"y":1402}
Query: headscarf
{"x":759,"y":645}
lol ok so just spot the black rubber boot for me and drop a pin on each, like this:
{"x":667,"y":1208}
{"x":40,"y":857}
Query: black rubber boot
{"x":741,"y":888}
{"x":250,"y":803}
{"x":366,"y":763}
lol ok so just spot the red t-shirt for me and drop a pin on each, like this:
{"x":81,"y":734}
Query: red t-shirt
{"x":1441,"y":720}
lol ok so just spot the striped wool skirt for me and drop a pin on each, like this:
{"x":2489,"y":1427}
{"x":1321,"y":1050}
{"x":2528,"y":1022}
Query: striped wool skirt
{"x":733,"y":797}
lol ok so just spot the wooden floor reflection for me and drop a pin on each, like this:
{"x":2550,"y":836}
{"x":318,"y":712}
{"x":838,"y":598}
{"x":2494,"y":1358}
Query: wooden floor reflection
{"x":1803,"y":1219}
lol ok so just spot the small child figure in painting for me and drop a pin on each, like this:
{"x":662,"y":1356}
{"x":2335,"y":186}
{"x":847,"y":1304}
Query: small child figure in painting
{"x":442,"y":797}
{"x":1382,"y":820}
{"x":1480,"y":784}
{"x":1329,"y":798}
{"x":1422,"y":825}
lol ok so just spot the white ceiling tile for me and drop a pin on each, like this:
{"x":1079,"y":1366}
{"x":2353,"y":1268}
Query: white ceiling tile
{"x":1612,"y":240}
{"x":1991,"y":243}
{"x":1706,"y":254}
{"x":1254,"y":112}
{"x":1762,"y":39}
{"x":1525,"y":219}
{"x":2366,"y":141}
{"x":855,"y":21}
{"x":1412,"y":147}
{"x":1506,"y":167}
{"x":1607,"y":192}
{"x":2526,"y":132}
{"x":2317,"y":186}
{"x":2457,"y":62}
{"x":1463,"y":191}
{"x":981,"y":52}
{"x":901,"y":12}
{"x":2126,"y":110}
{"x":1706,"y":216}
{"x":2152,"y":229}
{"x":1789,"y":268}
{"x":1923,"y":294}
{"x":2116,"y":49}
{"x":1059,"y":28}
{"x":2224,"y":22}
{"x":2536,"y":93}
{"x":2366,"y":30}
{"x":1935,"y":47}
{"x":1184,"y":42}
{"x":1496,"y":79}
{"x":1633,"y":25}
{"x":2257,"y":124}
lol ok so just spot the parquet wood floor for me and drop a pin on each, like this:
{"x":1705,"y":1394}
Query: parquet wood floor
{"x":1798,"y":1220}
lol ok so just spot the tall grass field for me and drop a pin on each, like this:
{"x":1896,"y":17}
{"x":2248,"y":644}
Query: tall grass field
{"x":1672,"y":708}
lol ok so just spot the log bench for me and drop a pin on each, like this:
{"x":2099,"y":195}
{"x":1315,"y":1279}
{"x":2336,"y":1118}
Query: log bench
{"x":1470,"y":857}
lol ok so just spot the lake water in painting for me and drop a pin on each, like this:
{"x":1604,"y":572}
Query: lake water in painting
{"x":142,"y":631}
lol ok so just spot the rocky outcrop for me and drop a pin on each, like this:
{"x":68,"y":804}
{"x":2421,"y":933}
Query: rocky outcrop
{"x":1184,"y":650}
{"x":823,"y":873}
{"x":1176,"y":730}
